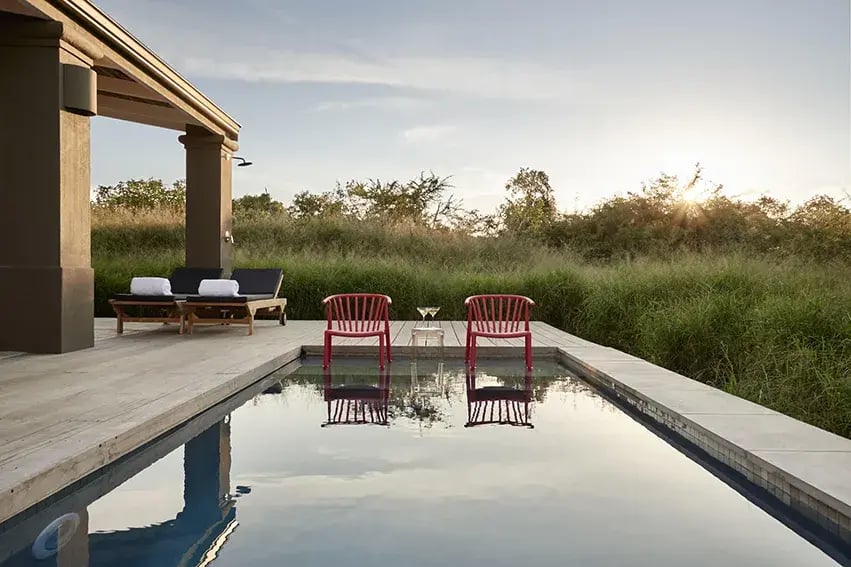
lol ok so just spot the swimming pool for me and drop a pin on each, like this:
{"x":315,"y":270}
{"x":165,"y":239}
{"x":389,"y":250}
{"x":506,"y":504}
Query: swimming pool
{"x":421,"y":465}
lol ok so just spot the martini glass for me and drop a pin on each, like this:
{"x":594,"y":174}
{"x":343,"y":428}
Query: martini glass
{"x":433,"y":311}
{"x":424,"y":311}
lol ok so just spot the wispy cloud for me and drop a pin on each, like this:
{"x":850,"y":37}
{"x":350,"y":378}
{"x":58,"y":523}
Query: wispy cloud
{"x":279,"y":44}
{"x":431,"y":133}
{"x":471,"y":76}
{"x":393,"y":103}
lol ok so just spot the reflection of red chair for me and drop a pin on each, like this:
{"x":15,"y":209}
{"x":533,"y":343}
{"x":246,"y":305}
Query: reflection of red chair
{"x":358,"y":315}
{"x":497,"y":317}
{"x":501,"y":405}
{"x":357,"y":403}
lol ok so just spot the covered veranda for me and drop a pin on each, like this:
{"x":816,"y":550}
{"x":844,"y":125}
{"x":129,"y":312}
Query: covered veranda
{"x":63,"y":62}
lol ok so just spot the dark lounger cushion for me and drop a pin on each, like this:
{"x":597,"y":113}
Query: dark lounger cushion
{"x":253,"y":281}
{"x":241,"y":298}
{"x":185,"y":281}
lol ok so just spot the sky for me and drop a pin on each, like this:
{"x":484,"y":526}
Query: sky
{"x":600,"y":94}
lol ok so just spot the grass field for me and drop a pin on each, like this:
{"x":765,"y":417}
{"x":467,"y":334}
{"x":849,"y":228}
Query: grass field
{"x":775,"y":330}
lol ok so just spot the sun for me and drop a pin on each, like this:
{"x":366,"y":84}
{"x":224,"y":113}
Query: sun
{"x":694,"y":194}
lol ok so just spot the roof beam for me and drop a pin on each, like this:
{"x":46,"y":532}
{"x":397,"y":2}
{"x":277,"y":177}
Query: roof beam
{"x":129,"y":88}
{"x":134,"y":109}
{"x":122,"y":50}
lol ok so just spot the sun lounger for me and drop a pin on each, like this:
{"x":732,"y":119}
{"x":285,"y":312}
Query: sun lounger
{"x":258,"y":293}
{"x":161,"y":308}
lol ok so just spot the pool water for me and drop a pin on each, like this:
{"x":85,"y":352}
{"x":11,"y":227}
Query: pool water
{"x":420,"y":465}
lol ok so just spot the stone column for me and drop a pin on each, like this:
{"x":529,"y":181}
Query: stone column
{"x":46,"y":278}
{"x":208,"y":198}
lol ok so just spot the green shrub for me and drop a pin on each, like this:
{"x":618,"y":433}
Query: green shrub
{"x":775,"y":331}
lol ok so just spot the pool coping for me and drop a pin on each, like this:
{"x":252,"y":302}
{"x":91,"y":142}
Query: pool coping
{"x":806,"y":468}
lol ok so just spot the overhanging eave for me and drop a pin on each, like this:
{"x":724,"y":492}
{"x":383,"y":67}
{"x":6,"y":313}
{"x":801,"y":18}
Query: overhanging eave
{"x":144,"y":69}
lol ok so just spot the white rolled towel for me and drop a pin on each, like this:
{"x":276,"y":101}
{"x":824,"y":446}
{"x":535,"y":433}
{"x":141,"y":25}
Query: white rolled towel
{"x":218,"y":288}
{"x":150,"y":286}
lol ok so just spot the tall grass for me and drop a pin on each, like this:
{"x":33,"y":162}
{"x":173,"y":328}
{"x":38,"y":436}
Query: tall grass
{"x":775,"y":331}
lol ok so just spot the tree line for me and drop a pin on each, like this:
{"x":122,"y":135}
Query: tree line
{"x":426,"y":200}
{"x":662,"y":216}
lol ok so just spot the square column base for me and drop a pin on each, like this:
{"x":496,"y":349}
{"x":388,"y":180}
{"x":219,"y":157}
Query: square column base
{"x":46,"y":309}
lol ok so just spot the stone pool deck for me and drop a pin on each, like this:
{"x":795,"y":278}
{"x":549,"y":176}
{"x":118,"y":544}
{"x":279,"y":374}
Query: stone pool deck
{"x":63,"y":417}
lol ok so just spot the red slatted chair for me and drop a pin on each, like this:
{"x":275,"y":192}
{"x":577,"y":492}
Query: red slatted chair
{"x":497,"y":316}
{"x":358,"y":315}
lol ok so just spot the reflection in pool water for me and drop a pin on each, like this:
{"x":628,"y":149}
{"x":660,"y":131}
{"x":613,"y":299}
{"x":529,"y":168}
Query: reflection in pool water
{"x":353,"y":404}
{"x":368,"y":403}
{"x":500,"y":404}
{"x":426,"y":472}
{"x":192,"y":536}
